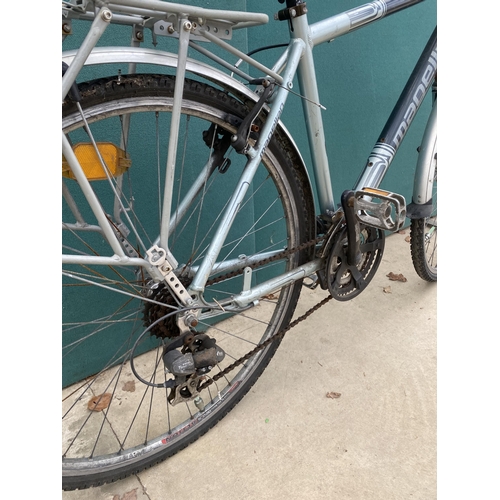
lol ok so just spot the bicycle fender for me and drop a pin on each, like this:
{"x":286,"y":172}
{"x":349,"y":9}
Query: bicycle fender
{"x":138,"y":55}
{"x":424,"y":173}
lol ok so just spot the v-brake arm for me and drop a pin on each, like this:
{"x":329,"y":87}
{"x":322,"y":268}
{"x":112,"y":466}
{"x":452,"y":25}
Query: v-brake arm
{"x":239,"y":141}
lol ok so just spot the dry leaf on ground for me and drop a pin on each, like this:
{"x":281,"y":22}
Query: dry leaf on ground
{"x":333,"y":395}
{"x":99,"y":403}
{"x":397,"y":277}
{"x":130,"y":495}
{"x":387,"y":289}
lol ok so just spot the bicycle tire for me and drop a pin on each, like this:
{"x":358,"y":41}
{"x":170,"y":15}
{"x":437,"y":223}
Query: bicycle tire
{"x":423,"y":237}
{"x":98,"y":447}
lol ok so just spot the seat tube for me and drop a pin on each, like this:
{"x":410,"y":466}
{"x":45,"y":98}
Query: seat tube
{"x":312,"y":114}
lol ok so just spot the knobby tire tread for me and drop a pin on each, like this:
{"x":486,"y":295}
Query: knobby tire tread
{"x":417,"y":247}
{"x":107,"y":89}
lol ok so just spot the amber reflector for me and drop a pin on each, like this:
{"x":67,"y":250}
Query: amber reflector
{"x":115,"y":158}
{"x":376,"y":191}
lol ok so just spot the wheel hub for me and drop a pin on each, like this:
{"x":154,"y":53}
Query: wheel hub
{"x":159,"y":292}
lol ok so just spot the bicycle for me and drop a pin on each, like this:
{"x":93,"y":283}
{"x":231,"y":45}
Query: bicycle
{"x":189,"y":289}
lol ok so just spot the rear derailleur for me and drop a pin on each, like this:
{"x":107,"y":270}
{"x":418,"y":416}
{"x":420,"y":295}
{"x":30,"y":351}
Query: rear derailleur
{"x":189,"y":358}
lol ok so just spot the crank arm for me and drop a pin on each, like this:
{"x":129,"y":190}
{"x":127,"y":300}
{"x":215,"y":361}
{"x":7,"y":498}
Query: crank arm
{"x":348,"y":201}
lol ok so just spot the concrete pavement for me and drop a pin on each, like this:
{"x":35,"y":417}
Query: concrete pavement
{"x":345,"y":410}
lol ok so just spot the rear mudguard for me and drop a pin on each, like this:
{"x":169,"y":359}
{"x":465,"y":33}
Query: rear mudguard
{"x":138,"y":55}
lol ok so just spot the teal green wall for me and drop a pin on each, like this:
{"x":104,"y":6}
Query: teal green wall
{"x":360,"y":76}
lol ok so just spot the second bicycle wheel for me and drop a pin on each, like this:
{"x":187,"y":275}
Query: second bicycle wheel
{"x":423,"y":235}
{"x":115,"y":424}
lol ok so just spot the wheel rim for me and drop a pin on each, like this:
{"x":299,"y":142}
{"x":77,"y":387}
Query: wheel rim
{"x":430,"y":243}
{"x":139,"y":421}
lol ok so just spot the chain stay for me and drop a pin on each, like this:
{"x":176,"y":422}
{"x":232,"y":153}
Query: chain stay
{"x":329,"y":239}
{"x":278,"y":335}
{"x":263,"y":262}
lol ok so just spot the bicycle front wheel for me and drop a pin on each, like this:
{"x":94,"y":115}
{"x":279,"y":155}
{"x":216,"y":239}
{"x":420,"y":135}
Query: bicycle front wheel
{"x":423,"y":235}
{"x":118,"y":418}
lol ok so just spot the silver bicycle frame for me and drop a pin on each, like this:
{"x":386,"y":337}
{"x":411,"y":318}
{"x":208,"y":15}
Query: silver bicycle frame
{"x":296,"y":60}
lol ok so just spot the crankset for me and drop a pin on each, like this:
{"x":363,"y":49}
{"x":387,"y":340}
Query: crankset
{"x":347,"y":280}
{"x":354,"y":255}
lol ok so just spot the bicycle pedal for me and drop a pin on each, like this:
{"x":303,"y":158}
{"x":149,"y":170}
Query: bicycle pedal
{"x":380,"y":209}
{"x":311,"y":281}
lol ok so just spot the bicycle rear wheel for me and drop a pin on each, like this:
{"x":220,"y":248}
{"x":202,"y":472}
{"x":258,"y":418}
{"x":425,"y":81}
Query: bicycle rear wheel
{"x":115,"y":424}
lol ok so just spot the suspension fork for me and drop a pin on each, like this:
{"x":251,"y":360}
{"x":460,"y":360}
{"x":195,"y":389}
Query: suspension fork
{"x":422,"y":203}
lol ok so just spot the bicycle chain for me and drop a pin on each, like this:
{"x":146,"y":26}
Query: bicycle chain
{"x":268,"y":260}
{"x":281,"y":333}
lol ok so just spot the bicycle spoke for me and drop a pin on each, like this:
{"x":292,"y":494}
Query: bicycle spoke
{"x":119,"y":335}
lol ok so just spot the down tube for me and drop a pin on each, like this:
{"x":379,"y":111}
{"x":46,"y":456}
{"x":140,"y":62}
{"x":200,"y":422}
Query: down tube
{"x":401,"y":117}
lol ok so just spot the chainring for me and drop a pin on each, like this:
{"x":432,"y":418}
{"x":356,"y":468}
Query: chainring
{"x":347,"y":281}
